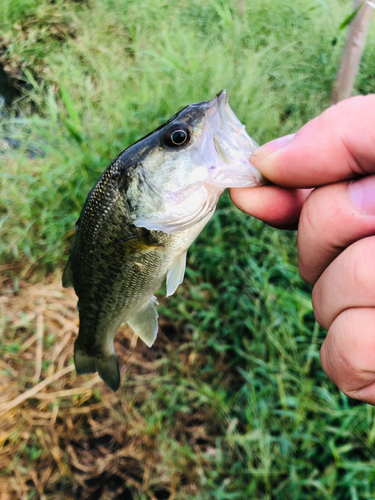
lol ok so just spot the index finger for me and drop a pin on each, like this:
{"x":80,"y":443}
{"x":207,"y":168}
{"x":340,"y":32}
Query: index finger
{"x":337,"y":145}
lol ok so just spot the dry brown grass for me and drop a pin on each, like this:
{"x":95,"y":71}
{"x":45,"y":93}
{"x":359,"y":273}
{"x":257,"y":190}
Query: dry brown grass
{"x":63,"y":436}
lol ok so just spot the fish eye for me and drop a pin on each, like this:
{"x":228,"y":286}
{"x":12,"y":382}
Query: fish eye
{"x":176,"y":136}
{"x":179,"y":137}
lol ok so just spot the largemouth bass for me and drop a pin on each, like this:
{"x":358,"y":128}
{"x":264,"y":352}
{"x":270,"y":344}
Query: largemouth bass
{"x":139,"y":220}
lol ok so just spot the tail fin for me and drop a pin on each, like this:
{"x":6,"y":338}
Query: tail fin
{"x":107,"y":367}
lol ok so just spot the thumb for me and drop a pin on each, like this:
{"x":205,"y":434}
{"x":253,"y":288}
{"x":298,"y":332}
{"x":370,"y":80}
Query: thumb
{"x":337,"y":145}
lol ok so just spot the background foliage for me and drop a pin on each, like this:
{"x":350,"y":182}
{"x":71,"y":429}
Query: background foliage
{"x":88,"y":78}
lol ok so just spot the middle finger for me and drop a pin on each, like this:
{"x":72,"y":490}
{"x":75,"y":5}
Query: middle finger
{"x":349,"y":282}
{"x":330,"y":221}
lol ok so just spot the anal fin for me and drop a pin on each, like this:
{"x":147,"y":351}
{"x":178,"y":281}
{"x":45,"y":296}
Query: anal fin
{"x":145,"y":322}
{"x":176,"y":274}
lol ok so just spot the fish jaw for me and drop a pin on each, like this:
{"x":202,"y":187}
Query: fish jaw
{"x":227,"y":148}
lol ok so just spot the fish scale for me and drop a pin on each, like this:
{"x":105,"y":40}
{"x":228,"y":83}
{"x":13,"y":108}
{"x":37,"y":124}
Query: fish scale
{"x":140,"y":218}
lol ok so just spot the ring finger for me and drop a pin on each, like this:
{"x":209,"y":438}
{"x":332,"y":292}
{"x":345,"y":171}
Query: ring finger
{"x":349,"y":281}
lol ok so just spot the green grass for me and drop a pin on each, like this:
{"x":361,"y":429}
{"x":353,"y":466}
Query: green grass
{"x":102,"y":74}
{"x":99,"y":75}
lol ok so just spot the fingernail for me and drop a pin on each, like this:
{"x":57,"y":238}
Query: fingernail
{"x":362,"y":193}
{"x":272,"y":146}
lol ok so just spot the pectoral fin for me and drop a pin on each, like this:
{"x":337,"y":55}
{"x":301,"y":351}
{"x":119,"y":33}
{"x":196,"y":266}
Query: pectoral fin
{"x":145,"y":322}
{"x":176,"y":274}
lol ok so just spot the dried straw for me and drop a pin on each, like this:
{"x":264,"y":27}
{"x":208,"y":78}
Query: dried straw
{"x":60,"y":432}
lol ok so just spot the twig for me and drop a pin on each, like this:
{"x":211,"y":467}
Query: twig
{"x":34,"y":390}
{"x":39,"y":345}
{"x":351,"y":56}
{"x":58,"y":348}
{"x":38,"y":485}
{"x":54,"y":413}
{"x":63,"y":393}
{"x":28,"y":343}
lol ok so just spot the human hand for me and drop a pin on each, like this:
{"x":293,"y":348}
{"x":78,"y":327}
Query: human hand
{"x":334,"y":155}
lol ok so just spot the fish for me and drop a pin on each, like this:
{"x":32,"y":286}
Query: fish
{"x":139,"y":220}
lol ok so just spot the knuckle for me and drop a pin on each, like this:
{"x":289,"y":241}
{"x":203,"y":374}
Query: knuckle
{"x":317,"y":299}
{"x":309,"y":215}
{"x":324,"y":359}
{"x":359,"y":263}
{"x":304,"y":271}
{"x":307,"y":269}
{"x":346,"y":355}
{"x":310,"y":235}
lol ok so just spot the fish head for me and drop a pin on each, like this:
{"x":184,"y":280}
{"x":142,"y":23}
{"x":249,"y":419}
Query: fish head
{"x":184,"y":166}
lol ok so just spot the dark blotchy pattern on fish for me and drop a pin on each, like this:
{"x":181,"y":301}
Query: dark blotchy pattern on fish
{"x":116,"y":266}
{"x":168,"y":182}
{"x":109,"y":266}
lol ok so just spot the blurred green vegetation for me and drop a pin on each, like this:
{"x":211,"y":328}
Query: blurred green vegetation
{"x":96,"y":76}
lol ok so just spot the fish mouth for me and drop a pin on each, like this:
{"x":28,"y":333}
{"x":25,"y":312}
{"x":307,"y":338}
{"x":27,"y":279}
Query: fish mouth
{"x":220,"y":105}
{"x":230,"y":147}
{"x":220,"y":99}
{"x":224,"y":121}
